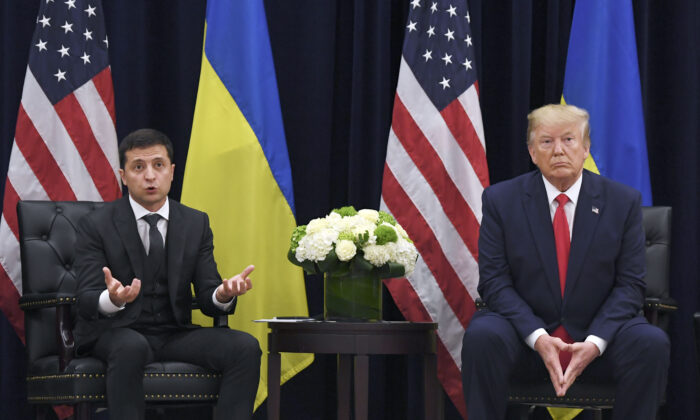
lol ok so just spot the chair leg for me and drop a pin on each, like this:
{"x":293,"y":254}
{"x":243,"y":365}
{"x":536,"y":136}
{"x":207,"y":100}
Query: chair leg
{"x":521,"y":411}
{"x":598,"y":414}
{"x":41,"y":412}
{"x":83,"y":411}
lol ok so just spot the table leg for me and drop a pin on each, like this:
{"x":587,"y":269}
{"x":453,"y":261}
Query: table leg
{"x":344,"y":366}
{"x":361,"y":385}
{"x":432,"y":394}
{"x":273,"y":386}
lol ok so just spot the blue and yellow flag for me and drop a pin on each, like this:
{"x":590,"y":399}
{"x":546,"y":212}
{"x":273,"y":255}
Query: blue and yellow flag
{"x":602,"y":76}
{"x":238,"y":171}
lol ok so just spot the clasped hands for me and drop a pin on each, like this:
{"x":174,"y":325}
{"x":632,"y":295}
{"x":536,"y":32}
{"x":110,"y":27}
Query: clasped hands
{"x":582,"y":354}
{"x":229,"y":288}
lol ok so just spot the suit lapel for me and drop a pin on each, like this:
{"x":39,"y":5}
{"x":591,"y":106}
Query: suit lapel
{"x":588,"y":212}
{"x":125,"y":223}
{"x":540,"y":221}
{"x":175,"y":247}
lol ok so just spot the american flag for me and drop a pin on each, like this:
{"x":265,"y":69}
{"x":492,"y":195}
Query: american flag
{"x":434,"y":175}
{"x":65,"y":144}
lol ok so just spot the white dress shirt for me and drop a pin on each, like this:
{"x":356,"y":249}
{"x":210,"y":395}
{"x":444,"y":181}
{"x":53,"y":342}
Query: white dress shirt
{"x":105,"y":305}
{"x":570,"y":210}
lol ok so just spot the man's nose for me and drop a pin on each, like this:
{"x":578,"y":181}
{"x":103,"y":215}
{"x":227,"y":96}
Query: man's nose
{"x":558,"y":147}
{"x":150,"y":173}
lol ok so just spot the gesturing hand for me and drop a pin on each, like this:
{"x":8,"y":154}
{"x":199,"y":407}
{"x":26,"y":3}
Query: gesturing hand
{"x":118,"y":293}
{"x":549,"y":347}
{"x":582,"y":354}
{"x":235,"y":286}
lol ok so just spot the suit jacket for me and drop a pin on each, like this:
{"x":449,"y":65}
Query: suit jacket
{"x":518,"y":266}
{"x":108,"y":237}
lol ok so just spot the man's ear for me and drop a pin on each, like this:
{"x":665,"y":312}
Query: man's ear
{"x":530,"y":149}
{"x":121,"y":175}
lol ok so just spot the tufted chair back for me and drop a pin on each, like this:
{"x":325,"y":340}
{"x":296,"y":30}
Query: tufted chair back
{"x":47,"y":249}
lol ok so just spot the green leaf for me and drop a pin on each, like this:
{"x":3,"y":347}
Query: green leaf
{"x":329,"y":263}
{"x":291,"y":256}
{"x":359,"y":265}
{"x":391,"y":269}
{"x":309,"y":267}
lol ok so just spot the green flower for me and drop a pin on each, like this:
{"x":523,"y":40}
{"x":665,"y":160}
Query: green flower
{"x":362,"y":239}
{"x":386,"y":217}
{"x":346,"y":211}
{"x":298,"y":233}
{"x":385,"y":234}
{"x":346,"y":235}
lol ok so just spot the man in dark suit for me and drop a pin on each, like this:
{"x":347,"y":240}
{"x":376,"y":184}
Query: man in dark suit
{"x":137,"y":258}
{"x":561,"y":266}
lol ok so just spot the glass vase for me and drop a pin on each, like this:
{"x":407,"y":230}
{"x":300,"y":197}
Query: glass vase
{"x":352,"y":297}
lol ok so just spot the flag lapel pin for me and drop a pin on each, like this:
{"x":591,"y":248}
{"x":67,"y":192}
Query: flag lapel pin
{"x":595,"y":210}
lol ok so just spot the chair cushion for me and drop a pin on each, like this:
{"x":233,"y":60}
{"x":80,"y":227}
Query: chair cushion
{"x":84,"y":380}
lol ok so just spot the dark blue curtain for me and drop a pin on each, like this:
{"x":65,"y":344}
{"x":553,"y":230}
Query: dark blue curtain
{"x":337,"y":65}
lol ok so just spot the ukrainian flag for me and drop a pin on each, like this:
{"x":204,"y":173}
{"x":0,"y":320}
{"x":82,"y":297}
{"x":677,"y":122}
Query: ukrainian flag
{"x":238,"y":171}
{"x":602,"y":76}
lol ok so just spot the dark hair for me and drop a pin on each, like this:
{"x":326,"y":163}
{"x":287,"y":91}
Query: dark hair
{"x":142,"y":138}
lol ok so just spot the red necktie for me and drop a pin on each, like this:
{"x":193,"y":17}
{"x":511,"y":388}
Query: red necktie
{"x":562,"y":242}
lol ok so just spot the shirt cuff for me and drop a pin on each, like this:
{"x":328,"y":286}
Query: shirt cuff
{"x":223,"y":306}
{"x":599,"y":342}
{"x":531,"y":339}
{"x":105,"y":305}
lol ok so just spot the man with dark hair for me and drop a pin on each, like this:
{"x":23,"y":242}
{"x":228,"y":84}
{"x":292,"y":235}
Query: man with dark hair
{"x":561,"y":268}
{"x":141,"y":139}
{"x":136,"y":260}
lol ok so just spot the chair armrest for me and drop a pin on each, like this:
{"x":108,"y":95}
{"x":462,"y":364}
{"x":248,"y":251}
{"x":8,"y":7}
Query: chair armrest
{"x":660,"y":304}
{"x":33,"y":301}
{"x":63,"y":303}
{"x":218,"y":321}
{"x":654,"y":306}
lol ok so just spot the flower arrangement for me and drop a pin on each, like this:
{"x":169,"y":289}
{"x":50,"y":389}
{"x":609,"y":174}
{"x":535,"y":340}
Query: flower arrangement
{"x":351,"y":241}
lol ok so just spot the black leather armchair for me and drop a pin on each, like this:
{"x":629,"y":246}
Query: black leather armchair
{"x":54,"y":375}
{"x":658,"y":305}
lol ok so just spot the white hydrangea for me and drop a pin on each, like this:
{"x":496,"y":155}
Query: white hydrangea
{"x":345,"y":250}
{"x":315,"y":246}
{"x":370,"y":215}
{"x":317,"y":225}
{"x":378,"y":255}
{"x":344,"y":224}
{"x":363,"y":226}
{"x":405,"y":253}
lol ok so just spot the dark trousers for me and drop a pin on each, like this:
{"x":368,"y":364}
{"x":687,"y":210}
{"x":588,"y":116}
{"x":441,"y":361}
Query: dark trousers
{"x":235,"y":354}
{"x":636,"y":359}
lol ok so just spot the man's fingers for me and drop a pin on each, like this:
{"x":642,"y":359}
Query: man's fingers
{"x":556,"y":377}
{"x":136,"y":285}
{"x":248,"y":284}
{"x":231,"y":287}
{"x":247,"y":271}
{"x":109,"y":280}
